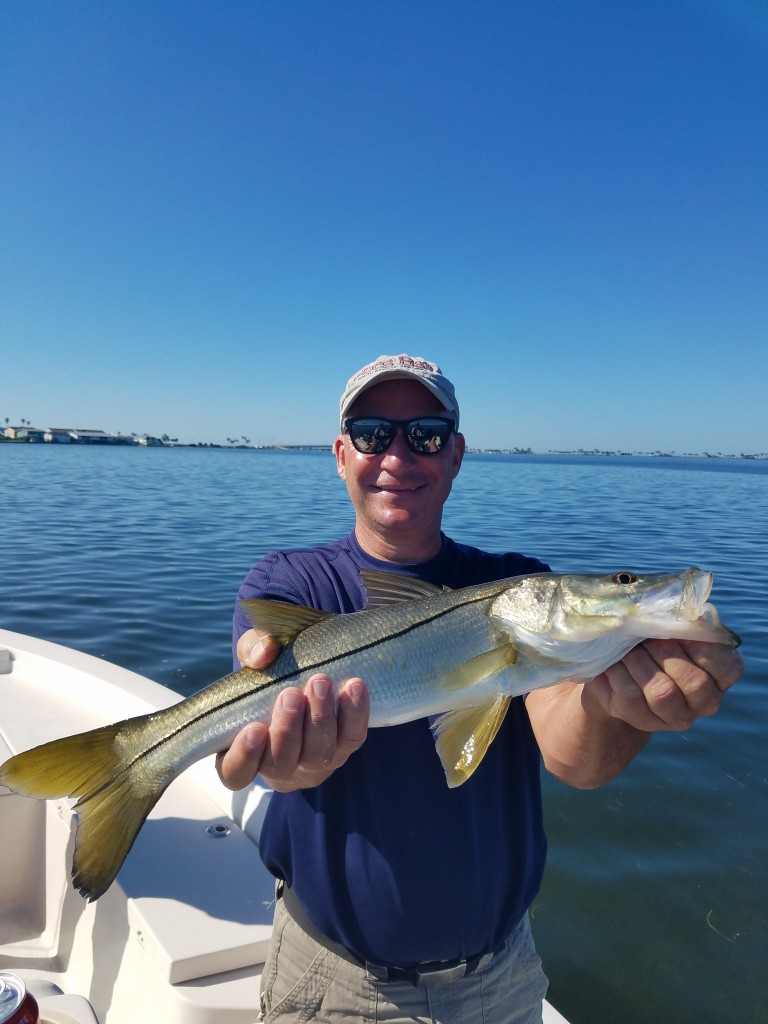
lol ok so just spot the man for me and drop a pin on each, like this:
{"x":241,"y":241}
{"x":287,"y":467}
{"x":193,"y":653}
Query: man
{"x":400,"y":899}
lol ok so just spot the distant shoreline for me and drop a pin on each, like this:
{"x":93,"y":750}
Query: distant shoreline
{"x":619,"y":454}
{"x":604,"y":453}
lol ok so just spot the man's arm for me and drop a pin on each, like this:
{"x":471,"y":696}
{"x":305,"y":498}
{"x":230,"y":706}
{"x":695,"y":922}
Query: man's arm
{"x":589,"y":732}
{"x":308,"y":737}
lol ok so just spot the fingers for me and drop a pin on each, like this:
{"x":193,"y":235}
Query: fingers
{"x":257,"y":650}
{"x":310,"y":735}
{"x":668,"y":684}
{"x":354,"y":712}
{"x":286,"y":732}
{"x":239,"y":765}
{"x":308,"y":743}
{"x":723,"y":664}
{"x":331,"y":734}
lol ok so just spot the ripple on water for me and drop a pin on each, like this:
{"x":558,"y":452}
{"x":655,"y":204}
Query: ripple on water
{"x":655,"y":901}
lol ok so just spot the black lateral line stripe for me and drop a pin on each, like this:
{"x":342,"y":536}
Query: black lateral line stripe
{"x":281,"y":679}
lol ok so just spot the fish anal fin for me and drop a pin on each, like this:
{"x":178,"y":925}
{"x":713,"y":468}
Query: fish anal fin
{"x":279,"y":619}
{"x":387,"y":588}
{"x":462,"y":738}
{"x":482,"y":666}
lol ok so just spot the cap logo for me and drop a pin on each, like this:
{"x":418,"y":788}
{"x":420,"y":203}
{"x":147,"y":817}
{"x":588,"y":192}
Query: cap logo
{"x":395,"y":363}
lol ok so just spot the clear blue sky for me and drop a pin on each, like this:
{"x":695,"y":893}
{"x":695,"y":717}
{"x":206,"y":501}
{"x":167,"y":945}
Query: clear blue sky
{"x":212,"y":212}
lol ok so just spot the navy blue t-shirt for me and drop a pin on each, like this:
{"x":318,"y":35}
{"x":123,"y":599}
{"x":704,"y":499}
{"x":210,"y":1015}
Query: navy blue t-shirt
{"x":384,"y":857}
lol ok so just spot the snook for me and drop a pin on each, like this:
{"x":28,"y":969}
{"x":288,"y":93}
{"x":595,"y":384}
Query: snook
{"x":461,"y":655}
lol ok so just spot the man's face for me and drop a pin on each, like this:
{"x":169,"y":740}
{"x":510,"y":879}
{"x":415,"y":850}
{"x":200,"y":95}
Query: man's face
{"x":399,"y":492}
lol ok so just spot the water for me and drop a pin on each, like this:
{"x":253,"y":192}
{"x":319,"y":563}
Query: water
{"x":655,"y":902}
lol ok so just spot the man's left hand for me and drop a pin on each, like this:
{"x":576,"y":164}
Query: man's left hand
{"x":667,"y":684}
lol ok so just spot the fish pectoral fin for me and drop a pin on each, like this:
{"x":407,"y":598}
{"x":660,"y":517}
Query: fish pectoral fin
{"x":462,"y":738}
{"x":388,"y":588}
{"x":280,"y":619}
{"x":482,"y":666}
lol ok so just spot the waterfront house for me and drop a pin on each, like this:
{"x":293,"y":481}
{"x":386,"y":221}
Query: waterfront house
{"x":23,"y":434}
{"x":58,"y":435}
{"x":92,"y":437}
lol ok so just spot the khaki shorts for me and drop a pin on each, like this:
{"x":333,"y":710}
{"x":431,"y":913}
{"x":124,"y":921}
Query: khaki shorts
{"x":304,"y":981}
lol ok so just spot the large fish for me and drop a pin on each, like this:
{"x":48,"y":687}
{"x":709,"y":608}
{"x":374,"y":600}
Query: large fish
{"x":461,"y":655}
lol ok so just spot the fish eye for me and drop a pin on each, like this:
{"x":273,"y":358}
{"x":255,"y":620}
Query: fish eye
{"x":624,"y":578}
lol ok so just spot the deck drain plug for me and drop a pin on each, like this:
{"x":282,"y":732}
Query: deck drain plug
{"x":218,"y":831}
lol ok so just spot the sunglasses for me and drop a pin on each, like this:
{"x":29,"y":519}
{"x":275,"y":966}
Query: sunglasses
{"x":372,"y":435}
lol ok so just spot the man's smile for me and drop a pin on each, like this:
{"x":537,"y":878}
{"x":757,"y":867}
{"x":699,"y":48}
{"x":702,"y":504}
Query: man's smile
{"x":398,"y":488}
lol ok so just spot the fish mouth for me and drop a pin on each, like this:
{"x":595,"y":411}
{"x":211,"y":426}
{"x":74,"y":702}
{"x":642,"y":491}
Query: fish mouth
{"x":695,"y":608}
{"x":697,"y":587}
{"x":710,"y":616}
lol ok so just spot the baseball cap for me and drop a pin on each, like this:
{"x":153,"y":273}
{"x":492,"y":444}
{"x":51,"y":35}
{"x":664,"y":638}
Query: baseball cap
{"x":400,"y":367}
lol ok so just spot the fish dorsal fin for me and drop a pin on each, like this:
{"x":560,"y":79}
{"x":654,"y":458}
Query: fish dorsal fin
{"x":388,"y":588}
{"x":483,"y":666}
{"x":462,"y":738}
{"x":279,"y":619}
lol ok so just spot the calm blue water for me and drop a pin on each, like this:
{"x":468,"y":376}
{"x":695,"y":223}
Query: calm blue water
{"x":655,"y":904}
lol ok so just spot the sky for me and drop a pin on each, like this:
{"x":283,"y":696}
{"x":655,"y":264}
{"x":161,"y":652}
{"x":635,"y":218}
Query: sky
{"x":213,"y":212}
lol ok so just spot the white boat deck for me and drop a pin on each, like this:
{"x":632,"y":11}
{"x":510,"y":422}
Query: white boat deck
{"x":181,"y":936}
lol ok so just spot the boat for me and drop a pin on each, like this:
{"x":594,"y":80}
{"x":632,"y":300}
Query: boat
{"x":182,"y":934}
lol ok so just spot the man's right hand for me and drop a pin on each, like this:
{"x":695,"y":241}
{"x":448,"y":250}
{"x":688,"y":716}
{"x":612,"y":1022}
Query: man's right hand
{"x":308,"y":738}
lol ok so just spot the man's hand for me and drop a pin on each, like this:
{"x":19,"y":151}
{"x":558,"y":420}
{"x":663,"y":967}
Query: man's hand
{"x":308,"y":738}
{"x":666,"y":684}
{"x":589,"y":732}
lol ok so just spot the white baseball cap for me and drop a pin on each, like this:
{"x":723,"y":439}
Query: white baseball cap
{"x":400,"y":367}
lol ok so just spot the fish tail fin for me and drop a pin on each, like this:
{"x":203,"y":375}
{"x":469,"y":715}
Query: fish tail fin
{"x":112,"y":806}
{"x":74,"y":766}
{"x":108,"y":823}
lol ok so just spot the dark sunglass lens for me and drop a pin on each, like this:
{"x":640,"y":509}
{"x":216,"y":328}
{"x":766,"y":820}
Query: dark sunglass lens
{"x":427,"y":437}
{"x":371,"y":436}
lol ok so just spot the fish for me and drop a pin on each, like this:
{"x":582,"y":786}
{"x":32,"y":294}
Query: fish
{"x":457,"y":657}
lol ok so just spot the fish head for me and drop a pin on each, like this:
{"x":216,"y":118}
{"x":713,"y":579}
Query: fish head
{"x":582,"y":607}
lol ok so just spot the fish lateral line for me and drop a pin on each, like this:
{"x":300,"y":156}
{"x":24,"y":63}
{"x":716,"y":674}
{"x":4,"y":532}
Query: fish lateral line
{"x":317,"y":666}
{"x":278,"y":681}
{"x":152,"y":746}
{"x":362,"y":648}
